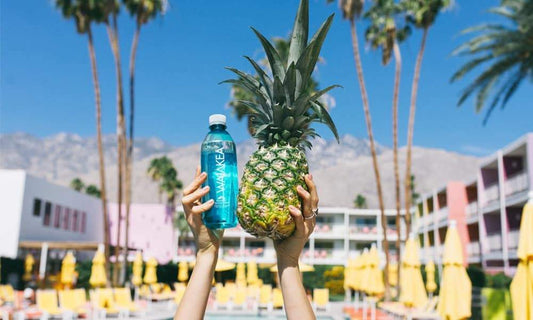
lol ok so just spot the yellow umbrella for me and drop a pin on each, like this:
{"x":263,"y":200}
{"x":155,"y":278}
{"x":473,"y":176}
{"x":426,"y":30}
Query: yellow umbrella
{"x":373,"y":277}
{"x":150,"y":274}
{"x":412,"y":291}
{"x":393,"y":274}
{"x":431,"y":286}
{"x":223,"y":265}
{"x":522,"y":284}
{"x":302,"y":266}
{"x":456,"y":289}
{"x":137,"y":269}
{"x":349,"y":274}
{"x":362,"y":278}
{"x":183,"y":271}
{"x":68,"y":269}
{"x":98,"y":277}
{"x":240,"y":278}
{"x":29,"y":261}
{"x":251,"y":275}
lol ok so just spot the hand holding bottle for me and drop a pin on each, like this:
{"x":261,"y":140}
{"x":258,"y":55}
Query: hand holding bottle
{"x":206,"y":240}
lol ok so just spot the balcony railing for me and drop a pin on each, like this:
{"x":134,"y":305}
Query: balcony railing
{"x":233,"y":252}
{"x":516,"y":183}
{"x":473,"y":249}
{"x":442,"y":214}
{"x":495,"y":242}
{"x":186,"y":251}
{"x":512,"y":238}
{"x":363,"y":229}
{"x":471,"y":209}
{"x":492,"y":193}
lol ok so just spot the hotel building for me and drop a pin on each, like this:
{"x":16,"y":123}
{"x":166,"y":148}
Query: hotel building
{"x":487,"y":209}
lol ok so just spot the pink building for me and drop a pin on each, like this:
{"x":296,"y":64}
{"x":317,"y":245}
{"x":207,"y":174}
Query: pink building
{"x":151,"y":230}
{"x":487,"y":210}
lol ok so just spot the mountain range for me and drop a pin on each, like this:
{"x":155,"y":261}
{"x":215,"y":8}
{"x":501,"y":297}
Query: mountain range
{"x":341,"y":170}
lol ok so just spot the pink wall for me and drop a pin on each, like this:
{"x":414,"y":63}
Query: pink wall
{"x":151,"y":230}
{"x":457,"y":202}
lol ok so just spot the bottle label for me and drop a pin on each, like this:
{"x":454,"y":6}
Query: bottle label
{"x":220,"y":174}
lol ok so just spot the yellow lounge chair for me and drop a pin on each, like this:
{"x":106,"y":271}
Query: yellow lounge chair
{"x":7,"y":293}
{"x":321,"y":299}
{"x":265,"y":297}
{"x":221,"y":298}
{"x":74,"y":301}
{"x":123,"y":300}
{"x":239,"y":299}
{"x":232,"y":289}
{"x":277,"y":298}
{"x":47,"y":303}
{"x":104,"y":301}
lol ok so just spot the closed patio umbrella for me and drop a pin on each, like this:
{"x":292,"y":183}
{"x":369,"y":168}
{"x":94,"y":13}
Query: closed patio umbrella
{"x":150,"y":274}
{"x":183,"y":271}
{"x":29,"y":261}
{"x":251,"y":274}
{"x":98,"y":277}
{"x":522,"y":284}
{"x":240,"y":277}
{"x":412,"y":291}
{"x":431,"y":286}
{"x":68,"y":269}
{"x":456,"y":288}
{"x":375,"y":286}
{"x":137,"y":270}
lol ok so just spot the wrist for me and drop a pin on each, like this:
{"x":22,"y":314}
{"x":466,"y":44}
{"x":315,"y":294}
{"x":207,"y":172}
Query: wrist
{"x":207,"y":255}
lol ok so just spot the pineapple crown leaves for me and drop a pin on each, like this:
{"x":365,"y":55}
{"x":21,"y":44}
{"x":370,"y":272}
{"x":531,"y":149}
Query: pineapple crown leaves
{"x":283,"y":110}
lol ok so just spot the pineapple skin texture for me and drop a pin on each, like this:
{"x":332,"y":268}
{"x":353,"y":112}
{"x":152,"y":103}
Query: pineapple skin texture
{"x":268,"y":187}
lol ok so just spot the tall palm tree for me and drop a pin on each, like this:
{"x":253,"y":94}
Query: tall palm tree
{"x":142,"y":11}
{"x":85,"y":13}
{"x":156,"y":170}
{"x":384,"y":33}
{"x":506,"y":51}
{"x":422,"y":15}
{"x":111,"y":10}
{"x":93,"y":190}
{"x":351,"y":10}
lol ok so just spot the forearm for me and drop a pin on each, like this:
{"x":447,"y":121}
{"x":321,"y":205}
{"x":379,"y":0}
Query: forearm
{"x":295,"y":300}
{"x":194,"y":301}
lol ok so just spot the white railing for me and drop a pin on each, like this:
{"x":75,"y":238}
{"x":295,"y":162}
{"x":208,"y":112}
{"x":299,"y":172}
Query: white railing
{"x":492,"y":193}
{"x":516,"y":183}
{"x":429,"y":219}
{"x":495,"y":242}
{"x":442,"y":214}
{"x":473,"y":249}
{"x":471,"y":209}
{"x":512,"y":238}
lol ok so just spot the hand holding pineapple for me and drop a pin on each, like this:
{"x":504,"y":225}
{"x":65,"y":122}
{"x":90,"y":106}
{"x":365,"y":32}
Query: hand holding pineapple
{"x":289,"y":250}
{"x":207,"y":241}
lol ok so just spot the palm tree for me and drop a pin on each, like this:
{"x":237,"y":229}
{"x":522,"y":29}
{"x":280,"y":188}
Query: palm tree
{"x":421,"y":14}
{"x":85,"y":13}
{"x":351,"y":10}
{"x":156,"y":170}
{"x":360,"y":202}
{"x":506,"y":51}
{"x":384,"y":33}
{"x":93,"y":190}
{"x":77,"y":184}
{"x":142,"y":11}
{"x":111,"y":10}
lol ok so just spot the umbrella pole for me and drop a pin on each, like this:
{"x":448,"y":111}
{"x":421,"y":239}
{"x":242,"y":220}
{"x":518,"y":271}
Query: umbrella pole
{"x":364,"y":306}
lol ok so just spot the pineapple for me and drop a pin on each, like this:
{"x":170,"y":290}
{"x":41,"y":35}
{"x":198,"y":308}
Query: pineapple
{"x":281,"y":112}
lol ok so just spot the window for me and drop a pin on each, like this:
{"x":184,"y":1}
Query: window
{"x":47,"y":213}
{"x":36,"y":207}
{"x":75,"y":221}
{"x":57,"y":216}
{"x":66,"y":217}
{"x":83,"y":222}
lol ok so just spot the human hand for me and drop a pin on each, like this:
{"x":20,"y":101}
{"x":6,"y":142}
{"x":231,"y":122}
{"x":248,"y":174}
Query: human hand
{"x":288,"y":250}
{"x":207,"y":241}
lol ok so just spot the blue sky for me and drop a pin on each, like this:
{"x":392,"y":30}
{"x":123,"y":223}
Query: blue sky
{"x":46,"y":84}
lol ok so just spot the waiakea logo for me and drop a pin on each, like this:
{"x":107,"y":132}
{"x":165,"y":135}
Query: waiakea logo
{"x":220,"y":175}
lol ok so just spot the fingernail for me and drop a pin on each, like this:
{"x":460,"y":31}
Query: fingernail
{"x":310,"y":176}
{"x":206,"y":188}
{"x":203,"y":174}
{"x":299,"y":188}
{"x":292,"y":207}
{"x":211,"y":201}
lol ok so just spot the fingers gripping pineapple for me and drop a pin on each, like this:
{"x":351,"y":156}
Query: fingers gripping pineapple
{"x":281,"y":112}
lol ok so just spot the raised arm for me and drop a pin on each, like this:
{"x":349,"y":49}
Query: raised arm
{"x":288,"y":251}
{"x":194,"y":301}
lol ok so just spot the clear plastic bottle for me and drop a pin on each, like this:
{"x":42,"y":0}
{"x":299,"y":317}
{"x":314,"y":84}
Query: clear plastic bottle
{"x":219,"y":161}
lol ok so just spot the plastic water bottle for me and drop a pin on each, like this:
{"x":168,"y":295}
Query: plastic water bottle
{"x":219,"y":161}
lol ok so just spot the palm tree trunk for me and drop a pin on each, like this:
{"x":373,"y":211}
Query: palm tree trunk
{"x":113,"y":38}
{"x":360,"y":77}
{"x":129,"y":155}
{"x":398,"y":60}
{"x":412,"y":111}
{"x":98,"y":104}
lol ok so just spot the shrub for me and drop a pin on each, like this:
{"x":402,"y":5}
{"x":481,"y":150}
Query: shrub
{"x":477,"y":276}
{"x":499,"y":281}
